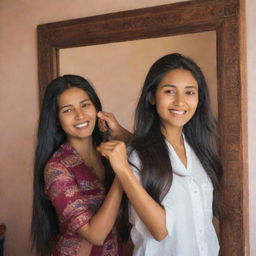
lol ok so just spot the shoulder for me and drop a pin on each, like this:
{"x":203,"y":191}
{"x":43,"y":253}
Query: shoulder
{"x":56,"y":168}
{"x":134,"y":157}
{"x":65,"y":157}
{"x":55,"y":171}
{"x":134,"y":161}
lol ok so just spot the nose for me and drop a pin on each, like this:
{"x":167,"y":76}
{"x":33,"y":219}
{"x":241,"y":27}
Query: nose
{"x":179,"y":99}
{"x":79,"y":114}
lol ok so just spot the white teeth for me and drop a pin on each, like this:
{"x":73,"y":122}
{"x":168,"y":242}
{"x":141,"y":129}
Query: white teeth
{"x":178,"y":112}
{"x":85,"y":124}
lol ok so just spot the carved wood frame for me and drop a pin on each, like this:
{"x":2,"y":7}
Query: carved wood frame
{"x":224,"y":17}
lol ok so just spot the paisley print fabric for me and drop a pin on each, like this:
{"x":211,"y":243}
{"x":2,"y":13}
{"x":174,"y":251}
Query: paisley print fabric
{"x":76,"y":193}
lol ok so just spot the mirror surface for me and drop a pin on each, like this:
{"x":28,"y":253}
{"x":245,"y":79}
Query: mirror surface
{"x":118,"y":70}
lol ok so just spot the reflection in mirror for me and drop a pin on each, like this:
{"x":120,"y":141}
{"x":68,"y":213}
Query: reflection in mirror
{"x":118,"y":70}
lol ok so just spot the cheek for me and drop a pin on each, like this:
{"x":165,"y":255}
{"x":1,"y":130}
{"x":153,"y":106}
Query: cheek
{"x":162,"y":102}
{"x":92,"y":116}
{"x":193,"y":103}
{"x":160,"y":106}
{"x":63,"y":122}
{"x":193,"y":110}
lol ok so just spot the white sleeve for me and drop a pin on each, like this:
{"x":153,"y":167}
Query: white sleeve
{"x":169,"y":213}
{"x":135,"y":166}
{"x":134,"y":219}
{"x":135,"y":163}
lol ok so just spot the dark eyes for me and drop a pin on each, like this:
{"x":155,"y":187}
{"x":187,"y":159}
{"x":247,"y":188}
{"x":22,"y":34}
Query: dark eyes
{"x":173,"y":92}
{"x":67,"y":110}
{"x":190,"y":92}
{"x":169,"y":91}
{"x":84,"y":105}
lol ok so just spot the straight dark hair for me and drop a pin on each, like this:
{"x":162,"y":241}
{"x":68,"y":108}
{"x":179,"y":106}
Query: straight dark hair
{"x":200,"y":132}
{"x":45,"y":228}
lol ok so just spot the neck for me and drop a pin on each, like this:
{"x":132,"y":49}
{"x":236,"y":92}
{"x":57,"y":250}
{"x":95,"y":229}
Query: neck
{"x":84,"y":148}
{"x":90,"y":156}
{"x":174,"y":136}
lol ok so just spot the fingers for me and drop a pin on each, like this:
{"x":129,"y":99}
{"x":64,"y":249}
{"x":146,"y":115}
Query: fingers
{"x":109,"y":119}
{"x":107,"y":148}
{"x":108,"y":123}
{"x":102,"y":125}
{"x":105,"y":120}
{"x":102,"y":121}
{"x":106,"y":116}
{"x":115,"y":152}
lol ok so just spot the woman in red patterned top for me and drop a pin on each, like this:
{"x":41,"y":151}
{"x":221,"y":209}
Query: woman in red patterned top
{"x":76,"y":197}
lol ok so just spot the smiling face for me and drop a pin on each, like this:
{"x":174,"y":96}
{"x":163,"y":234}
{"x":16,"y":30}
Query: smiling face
{"x":176,"y":98}
{"x":77,"y":114}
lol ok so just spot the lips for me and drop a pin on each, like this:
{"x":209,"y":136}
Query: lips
{"x":178,"y":112}
{"x":82,"y":125}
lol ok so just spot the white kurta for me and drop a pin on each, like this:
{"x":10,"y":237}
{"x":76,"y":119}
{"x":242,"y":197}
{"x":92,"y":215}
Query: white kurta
{"x":188,"y":206}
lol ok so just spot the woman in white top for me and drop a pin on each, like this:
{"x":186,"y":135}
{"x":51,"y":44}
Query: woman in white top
{"x":173,"y":180}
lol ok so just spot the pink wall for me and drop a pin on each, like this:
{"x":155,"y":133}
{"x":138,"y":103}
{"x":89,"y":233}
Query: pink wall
{"x":19,"y":102}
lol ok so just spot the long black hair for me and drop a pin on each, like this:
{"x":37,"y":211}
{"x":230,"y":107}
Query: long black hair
{"x":200,"y":132}
{"x":45,"y":228}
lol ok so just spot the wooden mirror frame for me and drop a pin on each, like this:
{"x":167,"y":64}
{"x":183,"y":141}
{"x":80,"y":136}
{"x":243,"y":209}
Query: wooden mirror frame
{"x":222,"y":16}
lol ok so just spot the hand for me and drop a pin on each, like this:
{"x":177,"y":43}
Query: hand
{"x":115,"y":152}
{"x":108,"y":123}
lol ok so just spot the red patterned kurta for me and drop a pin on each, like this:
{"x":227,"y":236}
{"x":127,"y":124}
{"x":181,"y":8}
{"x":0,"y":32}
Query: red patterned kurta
{"x":76,"y":193}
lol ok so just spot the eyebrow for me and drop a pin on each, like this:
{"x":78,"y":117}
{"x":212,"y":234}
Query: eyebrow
{"x":70,"y":105}
{"x":174,"y":86}
{"x":85,"y":100}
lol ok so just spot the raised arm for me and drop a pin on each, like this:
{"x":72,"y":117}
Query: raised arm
{"x":150,"y":212}
{"x":72,"y":206}
{"x":102,"y":222}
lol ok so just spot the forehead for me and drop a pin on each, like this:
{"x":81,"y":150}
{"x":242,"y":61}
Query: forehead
{"x":178,"y":77}
{"x":72,"y":95}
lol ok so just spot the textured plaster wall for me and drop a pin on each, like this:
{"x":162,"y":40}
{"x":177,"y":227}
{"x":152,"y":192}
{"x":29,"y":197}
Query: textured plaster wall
{"x":19,"y":102}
